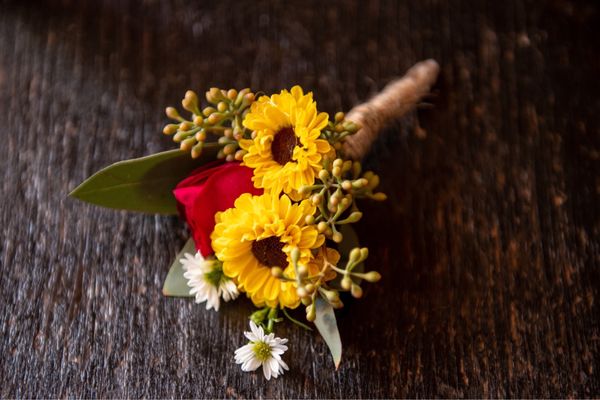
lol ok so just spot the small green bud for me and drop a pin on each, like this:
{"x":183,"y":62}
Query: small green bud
{"x":323,"y":175}
{"x":208,"y":111}
{"x":338,"y":162}
{"x":364,"y":253}
{"x":316,"y":199}
{"x":372,"y":182}
{"x":322,"y":226}
{"x":197,"y":150}
{"x":190,"y":101}
{"x":310,"y":288}
{"x":172,"y":113}
{"x":350,"y":126}
{"x":334,"y":200}
{"x":306,"y":300}
{"x":215,"y":118}
{"x":239,"y":155}
{"x":356,"y":291}
{"x":346,"y":283}
{"x":337,"y":172}
{"x":309,"y":220}
{"x":354,"y":217}
{"x":232,"y":94}
{"x":201,"y":135}
{"x":339,"y":116}
{"x":372,"y":276}
{"x":179,"y":136}
{"x":356,"y":168}
{"x":337,"y":237}
{"x":198,"y":120}
{"x":346,"y":166}
{"x":229,"y":158}
{"x":344,"y":203}
{"x":346,"y":185}
{"x":360,"y":183}
{"x":191,"y":96}
{"x":379,"y":196}
{"x":185,"y":126}
{"x":187,"y":144}
{"x":222,"y":106}
{"x":354,"y":255}
{"x":213,"y":95}
{"x":248,"y":99}
{"x":170,"y":129}
{"x":229,"y":149}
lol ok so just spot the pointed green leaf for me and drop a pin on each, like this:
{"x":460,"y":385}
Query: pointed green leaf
{"x":142,"y":184}
{"x":175,"y":284}
{"x":327,"y":327}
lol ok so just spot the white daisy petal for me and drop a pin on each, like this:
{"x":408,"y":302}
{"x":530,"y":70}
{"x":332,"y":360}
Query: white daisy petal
{"x":262,"y":350}
{"x":206,"y":280}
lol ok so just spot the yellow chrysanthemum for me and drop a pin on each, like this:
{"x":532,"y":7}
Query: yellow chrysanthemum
{"x":258,"y":233}
{"x":286,"y":151}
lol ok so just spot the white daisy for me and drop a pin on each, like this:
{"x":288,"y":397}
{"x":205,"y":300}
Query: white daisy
{"x":207,"y":281}
{"x":262,"y":350}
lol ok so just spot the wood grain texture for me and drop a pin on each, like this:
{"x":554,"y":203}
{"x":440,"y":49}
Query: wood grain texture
{"x":489,"y":243}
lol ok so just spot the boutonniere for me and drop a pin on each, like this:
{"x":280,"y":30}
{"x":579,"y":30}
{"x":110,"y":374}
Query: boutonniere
{"x":269,"y":186}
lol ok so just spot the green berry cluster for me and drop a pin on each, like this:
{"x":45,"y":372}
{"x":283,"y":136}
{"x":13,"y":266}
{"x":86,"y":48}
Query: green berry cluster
{"x":222,"y":119}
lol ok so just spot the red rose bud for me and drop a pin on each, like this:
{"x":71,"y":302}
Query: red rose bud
{"x":209,"y":189}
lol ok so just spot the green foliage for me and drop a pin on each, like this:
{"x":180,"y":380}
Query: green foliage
{"x":175,"y":284}
{"x":327,"y":326}
{"x":142,"y":184}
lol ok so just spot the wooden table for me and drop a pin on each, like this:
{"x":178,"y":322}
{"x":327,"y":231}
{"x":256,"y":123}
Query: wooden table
{"x":489,"y":242}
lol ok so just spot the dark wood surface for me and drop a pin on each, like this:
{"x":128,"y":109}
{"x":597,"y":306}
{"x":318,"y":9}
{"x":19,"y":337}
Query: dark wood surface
{"x":489,"y":243}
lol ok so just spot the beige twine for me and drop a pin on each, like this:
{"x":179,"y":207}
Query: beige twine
{"x":396,"y":99}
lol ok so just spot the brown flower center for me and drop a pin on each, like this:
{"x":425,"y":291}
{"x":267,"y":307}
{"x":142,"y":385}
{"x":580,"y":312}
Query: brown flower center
{"x":269,"y":252}
{"x":283,"y":145}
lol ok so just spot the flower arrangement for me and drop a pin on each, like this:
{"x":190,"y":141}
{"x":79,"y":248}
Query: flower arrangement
{"x":269,"y":187}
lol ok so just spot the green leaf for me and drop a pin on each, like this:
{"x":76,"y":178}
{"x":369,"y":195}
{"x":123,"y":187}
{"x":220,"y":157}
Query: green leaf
{"x":327,"y":327}
{"x":175,"y":284}
{"x":142,"y":184}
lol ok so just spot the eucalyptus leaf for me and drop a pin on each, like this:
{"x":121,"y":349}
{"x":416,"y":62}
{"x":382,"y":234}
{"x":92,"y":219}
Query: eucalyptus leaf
{"x":327,"y":326}
{"x":142,"y":184}
{"x":175,"y":284}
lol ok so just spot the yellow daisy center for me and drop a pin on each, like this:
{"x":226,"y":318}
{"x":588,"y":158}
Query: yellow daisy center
{"x":269,"y":252}
{"x":262,"y":351}
{"x":259,"y":233}
{"x":286,"y":150}
{"x":282,"y":147}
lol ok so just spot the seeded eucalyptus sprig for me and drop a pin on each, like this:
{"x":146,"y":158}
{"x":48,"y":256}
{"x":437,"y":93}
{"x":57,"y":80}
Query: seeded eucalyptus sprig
{"x":309,"y":287}
{"x":337,"y":130}
{"x":340,"y":183}
{"x":222,"y":119}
